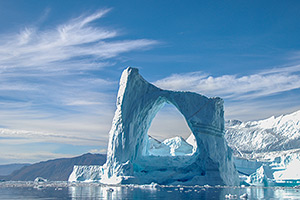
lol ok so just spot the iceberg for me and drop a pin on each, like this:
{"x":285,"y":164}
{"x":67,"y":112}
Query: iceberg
{"x":135,"y":158}
{"x":40,"y":180}
{"x":281,"y":171}
{"x":267,"y":151}
{"x":263,"y":176}
{"x":176,"y":146}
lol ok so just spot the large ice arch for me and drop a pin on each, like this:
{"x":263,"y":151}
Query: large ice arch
{"x":128,"y":160}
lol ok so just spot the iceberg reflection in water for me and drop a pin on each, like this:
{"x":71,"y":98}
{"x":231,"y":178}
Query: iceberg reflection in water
{"x":65,"y":190}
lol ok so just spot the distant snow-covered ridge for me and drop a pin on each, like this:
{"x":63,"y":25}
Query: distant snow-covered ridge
{"x":175,"y":146}
{"x":263,"y":138}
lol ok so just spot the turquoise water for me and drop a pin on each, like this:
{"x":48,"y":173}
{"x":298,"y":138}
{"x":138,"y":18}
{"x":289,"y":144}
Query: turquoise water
{"x":64,"y":190}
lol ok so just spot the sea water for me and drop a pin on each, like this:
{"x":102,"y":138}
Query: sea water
{"x":65,"y":190}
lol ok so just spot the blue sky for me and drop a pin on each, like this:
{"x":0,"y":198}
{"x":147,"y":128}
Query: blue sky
{"x":60,"y":62}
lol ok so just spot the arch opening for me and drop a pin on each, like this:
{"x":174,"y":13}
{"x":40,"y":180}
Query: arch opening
{"x":169,"y":134}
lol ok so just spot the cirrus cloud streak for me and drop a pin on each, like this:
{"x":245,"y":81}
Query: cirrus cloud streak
{"x":236,"y":87}
{"x":77,"y":39}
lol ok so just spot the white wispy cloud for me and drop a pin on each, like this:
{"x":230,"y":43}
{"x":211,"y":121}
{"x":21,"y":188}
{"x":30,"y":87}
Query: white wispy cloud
{"x":101,"y":151}
{"x":247,"y":97}
{"x":53,"y":88}
{"x":57,"y":65}
{"x":78,"y":38}
{"x":25,"y":137}
{"x":30,"y":157}
{"x":262,"y":108}
{"x":236,"y":87}
{"x":294,"y":56}
{"x":285,"y":69}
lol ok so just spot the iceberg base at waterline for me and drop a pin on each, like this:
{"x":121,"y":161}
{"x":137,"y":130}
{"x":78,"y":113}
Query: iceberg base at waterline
{"x":135,"y":158}
{"x":280,"y":171}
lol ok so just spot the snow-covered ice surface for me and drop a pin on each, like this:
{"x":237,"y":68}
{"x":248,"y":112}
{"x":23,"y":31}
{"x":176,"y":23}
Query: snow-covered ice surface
{"x":272,"y":145}
{"x":133,"y":158}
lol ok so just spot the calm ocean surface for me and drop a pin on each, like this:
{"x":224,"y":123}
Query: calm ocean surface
{"x":64,"y":190}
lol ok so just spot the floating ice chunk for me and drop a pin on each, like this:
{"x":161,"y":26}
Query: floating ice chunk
{"x":244,"y":196}
{"x":86,"y":173}
{"x":262,"y":177}
{"x":40,"y":180}
{"x":230,"y":196}
{"x":282,"y":171}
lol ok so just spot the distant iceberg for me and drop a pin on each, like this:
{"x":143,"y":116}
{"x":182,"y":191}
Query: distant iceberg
{"x":135,"y":158}
{"x":176,"y":146}
{"x":267,"y":151}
